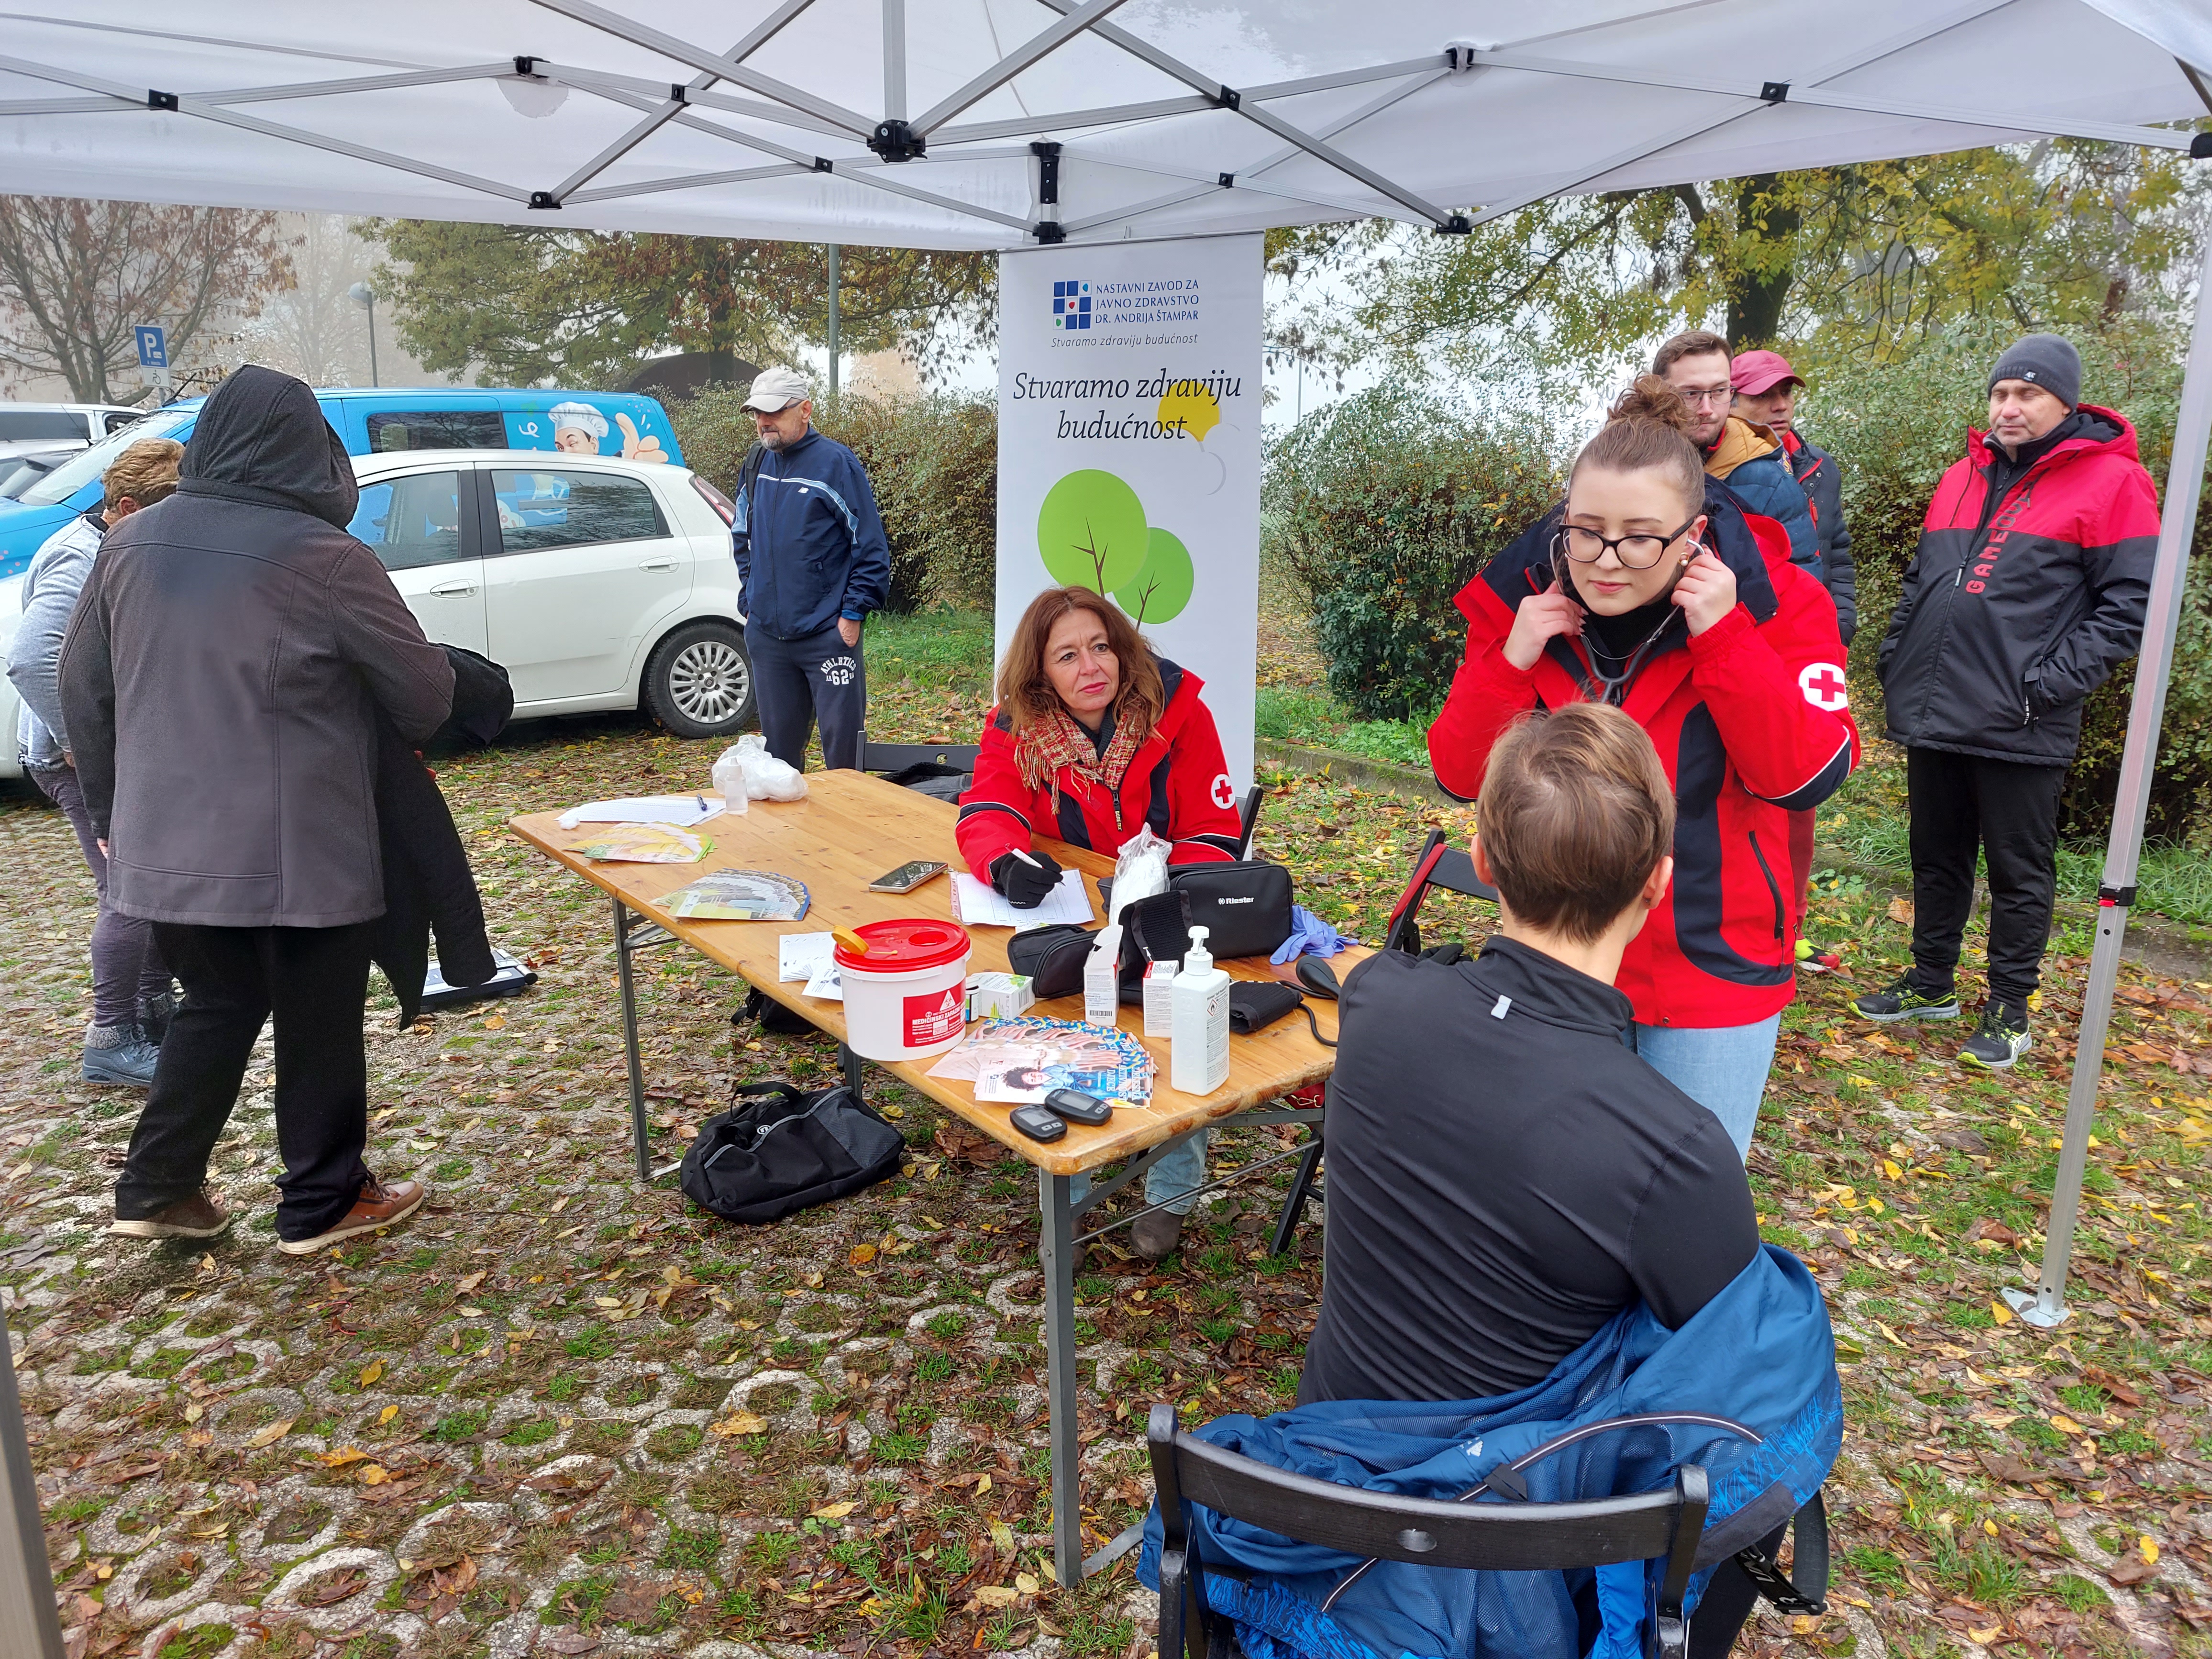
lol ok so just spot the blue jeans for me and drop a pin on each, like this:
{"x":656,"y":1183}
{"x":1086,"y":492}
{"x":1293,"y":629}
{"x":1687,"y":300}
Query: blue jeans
{"x":1180,"y":1170}
{"x":1724,"y":1068}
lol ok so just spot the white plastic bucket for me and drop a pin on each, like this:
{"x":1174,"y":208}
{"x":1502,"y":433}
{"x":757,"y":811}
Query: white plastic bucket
{"x":907,"y":998}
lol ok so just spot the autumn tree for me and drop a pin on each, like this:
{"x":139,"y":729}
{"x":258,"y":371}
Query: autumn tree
{"x":587,"y":308}
{"x":1839,"y":262}
{"x":77,"y":276}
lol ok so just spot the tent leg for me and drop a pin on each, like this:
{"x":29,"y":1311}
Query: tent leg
{"x":2046,"y":1305}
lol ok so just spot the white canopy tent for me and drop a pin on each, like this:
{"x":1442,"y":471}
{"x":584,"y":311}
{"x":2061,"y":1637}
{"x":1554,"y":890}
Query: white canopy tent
{"x":1001,"y":124}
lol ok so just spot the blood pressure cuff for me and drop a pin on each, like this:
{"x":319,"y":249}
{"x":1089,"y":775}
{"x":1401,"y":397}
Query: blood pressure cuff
{"x":1245,"y":907}
{"x":1254,"y":1004}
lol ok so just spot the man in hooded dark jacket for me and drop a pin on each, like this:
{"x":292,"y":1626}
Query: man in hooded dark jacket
{"x":222,"y":680}
{"x":2029,"y":587}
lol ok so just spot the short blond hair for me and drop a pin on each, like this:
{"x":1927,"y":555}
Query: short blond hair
{"x":146,"y":472}
{"x":1576,"y":813}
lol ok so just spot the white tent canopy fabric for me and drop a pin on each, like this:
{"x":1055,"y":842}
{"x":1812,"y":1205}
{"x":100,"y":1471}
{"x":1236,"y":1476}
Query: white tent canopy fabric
{"x":873,"y":121}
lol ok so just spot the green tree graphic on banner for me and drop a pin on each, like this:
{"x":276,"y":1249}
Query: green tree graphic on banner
{"x":1092,"y":533}
{"x":1161,"y":587}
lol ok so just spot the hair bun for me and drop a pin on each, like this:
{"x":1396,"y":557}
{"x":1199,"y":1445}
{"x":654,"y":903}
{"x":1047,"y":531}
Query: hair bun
{"x":1651,"y":399}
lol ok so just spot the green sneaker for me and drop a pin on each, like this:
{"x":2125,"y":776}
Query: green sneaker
{"x":1902,"y":1000}
{"x":2000,"y":1039}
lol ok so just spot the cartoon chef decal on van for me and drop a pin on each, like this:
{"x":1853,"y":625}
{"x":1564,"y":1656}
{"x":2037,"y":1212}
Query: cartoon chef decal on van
{"x":579,"y":429}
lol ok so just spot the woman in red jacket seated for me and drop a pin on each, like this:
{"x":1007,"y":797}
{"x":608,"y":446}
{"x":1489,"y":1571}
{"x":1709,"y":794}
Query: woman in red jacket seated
{"x":1651,"y":588}
{"x":1093,"y":739}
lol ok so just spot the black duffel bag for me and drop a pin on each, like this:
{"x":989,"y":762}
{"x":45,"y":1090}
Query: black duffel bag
{"x":783,"y":1151}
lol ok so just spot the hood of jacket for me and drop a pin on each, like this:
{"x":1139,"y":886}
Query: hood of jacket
{"x":1741,"y":440}
{"x":263,"y":438}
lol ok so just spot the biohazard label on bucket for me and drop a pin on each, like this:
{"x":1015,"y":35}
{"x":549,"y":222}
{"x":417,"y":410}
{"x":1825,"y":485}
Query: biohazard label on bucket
{"x":935,"y":1016}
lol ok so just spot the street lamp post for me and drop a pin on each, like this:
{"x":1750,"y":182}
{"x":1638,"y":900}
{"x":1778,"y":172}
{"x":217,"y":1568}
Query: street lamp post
{"x":362,"y":294}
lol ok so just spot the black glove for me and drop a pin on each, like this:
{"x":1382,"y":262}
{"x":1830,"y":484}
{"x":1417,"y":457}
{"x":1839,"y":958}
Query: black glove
{"x":1026,"y":885}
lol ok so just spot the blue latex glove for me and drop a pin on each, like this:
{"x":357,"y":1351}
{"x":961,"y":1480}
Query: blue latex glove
{"x":1308,"y":932}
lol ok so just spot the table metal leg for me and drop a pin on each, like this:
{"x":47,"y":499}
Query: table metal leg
{"x":630,"y":1040}
{"x":852,"y":1063}
{"x":1057,"y":1255}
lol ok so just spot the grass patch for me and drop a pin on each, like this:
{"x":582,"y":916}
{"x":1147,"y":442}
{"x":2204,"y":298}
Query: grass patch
{"x":1316,"y":720}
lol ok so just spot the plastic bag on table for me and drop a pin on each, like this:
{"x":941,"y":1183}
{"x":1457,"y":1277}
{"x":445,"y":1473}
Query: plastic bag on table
{"x":766,"y":777}
{"x":1140,"y":870}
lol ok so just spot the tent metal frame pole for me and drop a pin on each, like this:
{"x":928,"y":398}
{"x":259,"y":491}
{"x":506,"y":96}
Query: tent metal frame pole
{"x":894,"y":60}
{"x":674,"y":107}
{"x":668,"y":45}
{"x":2046,"y":1305}
{"x":1824,"y":73}
{"x":1072,"y":23}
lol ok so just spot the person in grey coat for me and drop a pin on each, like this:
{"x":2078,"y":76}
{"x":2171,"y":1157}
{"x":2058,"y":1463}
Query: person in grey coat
{"x":130,"y":1001}
{"x":219,"y":685}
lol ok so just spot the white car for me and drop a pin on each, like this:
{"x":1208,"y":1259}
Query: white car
{"x":67,"y":426}
{"x":596,"y":583}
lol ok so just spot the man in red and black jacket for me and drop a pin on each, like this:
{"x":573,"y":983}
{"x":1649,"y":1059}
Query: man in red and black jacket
{"x":1177,"y":783}
{"x":2027,"y":589}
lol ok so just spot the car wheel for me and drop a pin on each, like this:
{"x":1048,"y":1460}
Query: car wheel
{"x":699,"y":683}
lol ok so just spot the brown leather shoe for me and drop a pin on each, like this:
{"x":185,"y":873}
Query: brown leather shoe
{"x":197,"y":1217}
{"x":381,"y":1203}
{"x":1157,"y":1234}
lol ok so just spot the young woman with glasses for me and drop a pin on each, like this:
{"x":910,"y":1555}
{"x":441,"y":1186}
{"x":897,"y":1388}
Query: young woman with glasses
{"x":1650,"y":589}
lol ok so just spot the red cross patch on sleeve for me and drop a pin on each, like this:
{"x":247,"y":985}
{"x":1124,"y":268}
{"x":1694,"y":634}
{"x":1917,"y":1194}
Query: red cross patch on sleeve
{"x":1824,"y":686}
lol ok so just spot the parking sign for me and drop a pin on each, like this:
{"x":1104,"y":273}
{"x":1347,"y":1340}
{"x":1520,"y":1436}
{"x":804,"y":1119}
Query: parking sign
{"x":153,"y":346}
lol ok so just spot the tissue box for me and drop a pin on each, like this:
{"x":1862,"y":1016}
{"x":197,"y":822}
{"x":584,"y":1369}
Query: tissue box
{"x":999,"y":996}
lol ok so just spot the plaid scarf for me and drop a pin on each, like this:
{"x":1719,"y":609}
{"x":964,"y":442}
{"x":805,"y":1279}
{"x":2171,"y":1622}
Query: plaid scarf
{"x":1056,"y":744}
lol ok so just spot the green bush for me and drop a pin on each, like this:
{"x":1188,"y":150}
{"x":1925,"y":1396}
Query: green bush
{"x":1896,"y":426}
{"x":932,"y":462}
{"x":1385,"y":506}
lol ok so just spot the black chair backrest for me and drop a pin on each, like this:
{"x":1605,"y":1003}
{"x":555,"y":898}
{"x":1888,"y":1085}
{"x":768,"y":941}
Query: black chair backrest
{"x":897,"y":756}
{"x":1434,"y":865}
{"x":1249,"y":818}
{"x":1501,"y":1537}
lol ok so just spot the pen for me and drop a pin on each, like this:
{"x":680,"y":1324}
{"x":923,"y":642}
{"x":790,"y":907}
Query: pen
{"x":1027,"y":860}
{"x":701,"y":799}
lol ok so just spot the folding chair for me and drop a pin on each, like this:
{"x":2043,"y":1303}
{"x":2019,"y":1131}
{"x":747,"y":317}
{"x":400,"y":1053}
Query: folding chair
{"x":1249,"y":818}
{"x":1514,"y":1535}
{"x":941,"y":770}
{"x":1436,"y":866}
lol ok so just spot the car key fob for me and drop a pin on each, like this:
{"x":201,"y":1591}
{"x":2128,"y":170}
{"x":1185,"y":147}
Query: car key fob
{"x":1319,"y":977}
{"x":1037,"y":1123}
{"x":1078,"y":1108}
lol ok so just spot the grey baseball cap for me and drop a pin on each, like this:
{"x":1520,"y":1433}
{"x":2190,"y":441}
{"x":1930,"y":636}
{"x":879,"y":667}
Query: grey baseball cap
{"x":778,"y":388}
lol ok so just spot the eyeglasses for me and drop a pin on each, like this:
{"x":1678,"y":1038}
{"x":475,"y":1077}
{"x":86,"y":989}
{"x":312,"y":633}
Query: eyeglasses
{"x":1638,"y":552}
{"x":1700,"y":396}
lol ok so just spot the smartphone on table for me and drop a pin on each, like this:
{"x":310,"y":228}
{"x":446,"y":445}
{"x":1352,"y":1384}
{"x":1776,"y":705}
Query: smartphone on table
{"x":908,"y":877}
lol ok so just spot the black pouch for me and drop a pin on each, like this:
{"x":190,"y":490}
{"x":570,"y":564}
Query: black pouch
{"x":771,"y":1015}
{"x":1051,"y":958}
{"x":1254,"y":1004}
{"x":1154,"y":929}
{"x":783,"y":1151}
{"x":1244,"y":907}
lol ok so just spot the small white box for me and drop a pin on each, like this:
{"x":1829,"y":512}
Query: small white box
{"x":999,"y":996}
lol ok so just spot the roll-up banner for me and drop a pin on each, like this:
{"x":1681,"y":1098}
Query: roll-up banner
{"x":1129,"y":449}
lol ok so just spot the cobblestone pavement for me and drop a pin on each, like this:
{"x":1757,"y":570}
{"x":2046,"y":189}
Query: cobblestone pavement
{"x":560,"y":1413}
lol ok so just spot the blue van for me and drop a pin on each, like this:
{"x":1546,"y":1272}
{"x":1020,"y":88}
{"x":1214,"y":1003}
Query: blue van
{"x":368,"y":421}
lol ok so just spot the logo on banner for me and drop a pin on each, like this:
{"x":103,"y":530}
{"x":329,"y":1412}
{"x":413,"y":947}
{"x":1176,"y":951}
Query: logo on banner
{"x":1071,"y":305}
{"x":1824,"y":686}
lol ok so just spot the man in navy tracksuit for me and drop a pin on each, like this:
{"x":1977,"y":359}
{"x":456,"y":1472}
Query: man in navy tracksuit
{"x":812,"y":564}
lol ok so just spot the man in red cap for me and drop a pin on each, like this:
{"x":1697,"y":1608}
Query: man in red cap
{"x":1765,"y":389}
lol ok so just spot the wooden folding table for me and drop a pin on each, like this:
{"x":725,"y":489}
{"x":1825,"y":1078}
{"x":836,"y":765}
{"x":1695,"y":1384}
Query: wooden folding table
{"x":851,"y":829}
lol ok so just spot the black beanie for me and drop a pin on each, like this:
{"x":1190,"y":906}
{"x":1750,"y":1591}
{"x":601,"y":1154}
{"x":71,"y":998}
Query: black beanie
{"x":2043,"y":360}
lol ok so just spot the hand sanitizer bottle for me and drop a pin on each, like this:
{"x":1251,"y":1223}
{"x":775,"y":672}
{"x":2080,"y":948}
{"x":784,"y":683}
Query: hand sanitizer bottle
{"x":1198,"y":1051}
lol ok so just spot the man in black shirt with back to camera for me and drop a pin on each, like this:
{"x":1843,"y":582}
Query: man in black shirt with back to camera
{"x":1503,"y":1175}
